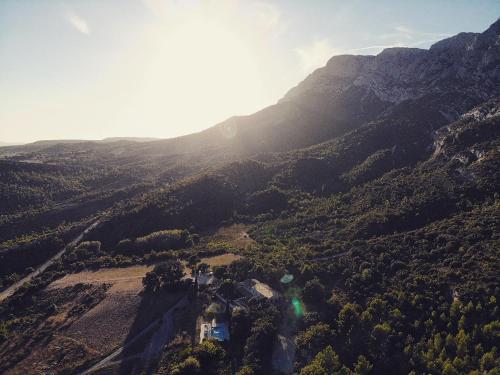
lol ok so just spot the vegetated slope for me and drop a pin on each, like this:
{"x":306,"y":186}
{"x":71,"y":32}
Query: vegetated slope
{"x":387,"y":217}
{"x":412,"y":214}
{"x":393,"y":149}
{"x":412,"y":90}
{"x":417,"y":91}
{"x":394,"y":253}
{"x":41,"y":196}
{"x":416,"y":289}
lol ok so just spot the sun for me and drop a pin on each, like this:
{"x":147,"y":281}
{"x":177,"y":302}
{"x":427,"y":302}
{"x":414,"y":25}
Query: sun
{"x":188,"y":76}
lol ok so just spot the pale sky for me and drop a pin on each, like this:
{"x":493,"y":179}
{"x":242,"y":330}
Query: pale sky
{"x":92,"y":69}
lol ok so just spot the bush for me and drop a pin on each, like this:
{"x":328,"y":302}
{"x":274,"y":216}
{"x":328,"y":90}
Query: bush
{"x":314,"y":292}
{"x":165,"y":276}
{"x":161,"y":240}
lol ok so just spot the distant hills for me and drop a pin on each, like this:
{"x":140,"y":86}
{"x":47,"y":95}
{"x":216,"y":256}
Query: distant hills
{"x":129,"y":139}
{"x":3,"y":144}
{"x":52,"y":142}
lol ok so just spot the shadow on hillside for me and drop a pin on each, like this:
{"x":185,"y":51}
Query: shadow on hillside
{"x":150,"y":309}
{"x":146,"y":324}
{"x":134,"y":343}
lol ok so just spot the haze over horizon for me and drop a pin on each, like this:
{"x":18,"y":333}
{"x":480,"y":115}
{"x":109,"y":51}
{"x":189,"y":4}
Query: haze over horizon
{"x":163,"y":68}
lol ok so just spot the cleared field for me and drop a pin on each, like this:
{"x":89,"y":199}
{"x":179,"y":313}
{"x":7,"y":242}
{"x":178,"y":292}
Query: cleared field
{"x":217,"y":260}
{"x":107,"y":324}
{"x":221,"y":260}
{"x":80,"y":336}
{"x":128,"y":279}
{"x":116,"y":318}
{"x":59,"y":353}
{"x":236,"y":235}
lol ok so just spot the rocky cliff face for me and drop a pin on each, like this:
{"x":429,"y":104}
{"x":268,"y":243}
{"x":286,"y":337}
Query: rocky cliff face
{"x":469,"y":139}
{"x":466,"y":65}
{"x":430,"y":88}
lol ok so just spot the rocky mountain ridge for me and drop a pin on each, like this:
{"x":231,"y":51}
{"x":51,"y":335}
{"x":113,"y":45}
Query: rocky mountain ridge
{"x":467,"y":64}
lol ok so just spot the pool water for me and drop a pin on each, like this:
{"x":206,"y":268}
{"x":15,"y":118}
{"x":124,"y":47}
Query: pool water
{"x":220,"y":333}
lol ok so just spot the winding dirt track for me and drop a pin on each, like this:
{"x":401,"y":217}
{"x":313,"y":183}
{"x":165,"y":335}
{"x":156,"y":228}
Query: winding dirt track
{"x":14,"y":287}
{"x":164,"y":327}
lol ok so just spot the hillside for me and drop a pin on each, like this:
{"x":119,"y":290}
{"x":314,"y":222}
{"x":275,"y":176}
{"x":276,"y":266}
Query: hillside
{"x":374,"y":183}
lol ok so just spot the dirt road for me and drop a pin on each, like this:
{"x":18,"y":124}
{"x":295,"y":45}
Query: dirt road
{"x":160,"y":338}
{"x":14,"y":287}
{"x":164,"y":333}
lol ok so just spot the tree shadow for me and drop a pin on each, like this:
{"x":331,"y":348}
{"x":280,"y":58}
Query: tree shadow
{"x":145,"y":325}
{"x":147,"y":322}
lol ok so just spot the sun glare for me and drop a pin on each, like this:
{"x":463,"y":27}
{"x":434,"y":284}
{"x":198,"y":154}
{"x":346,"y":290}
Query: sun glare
{"x":185,"y":75}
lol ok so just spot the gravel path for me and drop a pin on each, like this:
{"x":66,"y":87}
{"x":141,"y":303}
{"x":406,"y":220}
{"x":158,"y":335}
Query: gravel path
{"x":14,"y":287}
{"x":160,"y":338}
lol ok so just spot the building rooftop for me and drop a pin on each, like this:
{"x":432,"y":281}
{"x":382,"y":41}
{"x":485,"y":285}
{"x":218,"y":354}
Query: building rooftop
{"x":205,"y":278}
{"x":258,"y":289}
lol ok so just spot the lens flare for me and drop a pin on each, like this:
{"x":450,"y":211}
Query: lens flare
{"x":297,"y":307}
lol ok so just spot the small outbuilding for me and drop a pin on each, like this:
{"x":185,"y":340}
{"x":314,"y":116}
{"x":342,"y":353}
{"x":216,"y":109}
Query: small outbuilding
{"x":253,"y":288}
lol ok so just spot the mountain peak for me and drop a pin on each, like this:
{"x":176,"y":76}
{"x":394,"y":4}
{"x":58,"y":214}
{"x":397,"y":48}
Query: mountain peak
{"x":400,"y":51}
{"x":494,"y":27}
{"x":459,"y":41}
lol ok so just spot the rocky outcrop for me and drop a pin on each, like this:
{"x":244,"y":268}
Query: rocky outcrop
{"x":467,"y":64}
{"x":461,"y":140}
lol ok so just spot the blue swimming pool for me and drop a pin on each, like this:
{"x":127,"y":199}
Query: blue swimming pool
{"x":220,"y":332}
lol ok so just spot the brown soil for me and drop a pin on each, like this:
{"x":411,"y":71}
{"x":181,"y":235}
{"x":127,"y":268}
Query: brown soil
{"x":107,"y":325}
{"x":221,"y":260}
{"x":128,"y":279}
{"x":236,"y":235}
{"x":43,"y":348}
{"x":93,"y":333}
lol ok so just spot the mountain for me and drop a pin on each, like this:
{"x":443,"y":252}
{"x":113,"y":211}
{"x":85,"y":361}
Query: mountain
{"x":464,"y":68}
{"x":454,"y":75}
{"x":374,"y":182}
{"x":383,"y":110}
{"x":450,"y":78}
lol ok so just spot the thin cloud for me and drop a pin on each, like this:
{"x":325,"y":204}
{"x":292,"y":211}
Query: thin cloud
{"x":316,"y":54}
{"x":268,"y":16}
{"x":378,"y":47}
{"x":410,"y":35}
{"x":77,"y":22}
{"x":321,"y":50}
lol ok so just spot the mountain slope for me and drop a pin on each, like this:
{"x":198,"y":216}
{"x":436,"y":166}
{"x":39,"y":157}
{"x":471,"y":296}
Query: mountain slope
{"x":373,"y":113}
{"x":374,"y":183}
